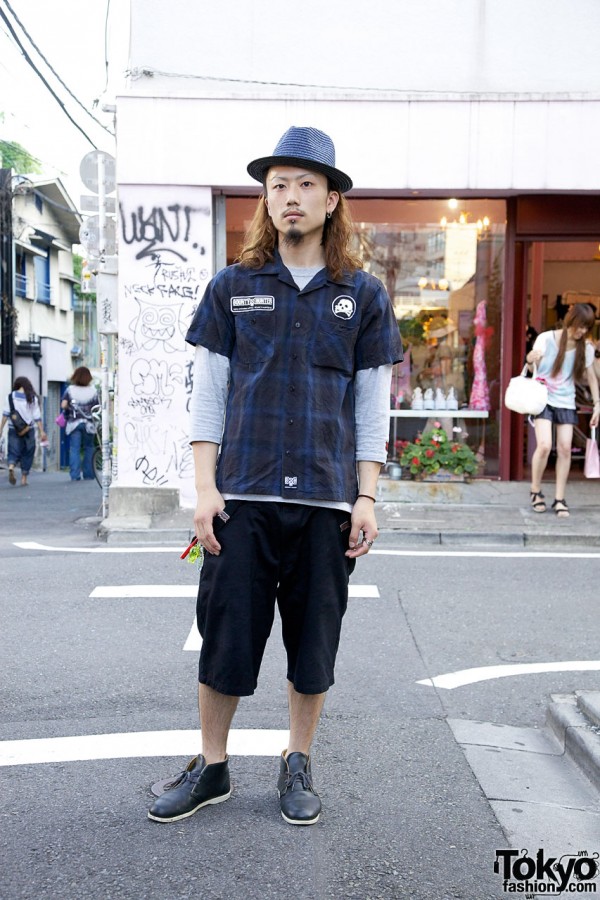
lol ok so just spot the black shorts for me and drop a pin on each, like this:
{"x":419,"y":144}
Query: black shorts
{"x":559,"y":416}
{"x":273,"y":552}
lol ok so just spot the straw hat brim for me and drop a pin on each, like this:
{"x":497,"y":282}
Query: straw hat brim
{"x":258,"y":169}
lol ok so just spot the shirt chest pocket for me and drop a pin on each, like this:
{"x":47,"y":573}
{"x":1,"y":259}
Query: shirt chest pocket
{"x":333,"y":347}
{"x":255,"y":337}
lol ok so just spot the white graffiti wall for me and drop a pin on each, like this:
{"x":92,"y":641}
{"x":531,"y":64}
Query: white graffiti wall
{"x":165,"y":263}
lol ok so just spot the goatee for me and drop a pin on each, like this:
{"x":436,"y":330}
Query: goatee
{"x":293,"y":237}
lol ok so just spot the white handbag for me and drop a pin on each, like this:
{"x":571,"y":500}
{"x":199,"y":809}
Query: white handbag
{"x":527,"y":396}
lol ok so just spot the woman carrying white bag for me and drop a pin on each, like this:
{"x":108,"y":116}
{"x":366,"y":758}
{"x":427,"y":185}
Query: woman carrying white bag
{"x":562,"y":358}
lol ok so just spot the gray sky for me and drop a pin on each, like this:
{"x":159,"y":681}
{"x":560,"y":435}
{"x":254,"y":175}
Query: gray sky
{"x":71,"y":35}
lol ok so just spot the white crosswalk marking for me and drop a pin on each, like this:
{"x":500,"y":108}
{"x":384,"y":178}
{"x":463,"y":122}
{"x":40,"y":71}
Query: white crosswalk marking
{"x":125,"y":591}
{"x":242,"y":742}
{"x":193,"y":641}
{"x":370,"y":591}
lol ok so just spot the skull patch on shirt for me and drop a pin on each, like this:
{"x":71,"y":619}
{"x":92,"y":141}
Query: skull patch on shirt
{"x":344,"y":307}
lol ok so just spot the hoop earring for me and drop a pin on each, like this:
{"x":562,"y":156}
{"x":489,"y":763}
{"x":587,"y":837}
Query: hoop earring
{"x":328,"y":215}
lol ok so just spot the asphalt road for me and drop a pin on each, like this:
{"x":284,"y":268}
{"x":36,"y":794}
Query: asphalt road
{"x":405,"y":814}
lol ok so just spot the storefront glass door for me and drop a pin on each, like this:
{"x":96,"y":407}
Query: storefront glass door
{"x":560,"y":273}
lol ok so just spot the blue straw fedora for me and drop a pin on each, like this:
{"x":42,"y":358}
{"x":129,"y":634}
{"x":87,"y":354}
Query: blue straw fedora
{"x":303,"y":147}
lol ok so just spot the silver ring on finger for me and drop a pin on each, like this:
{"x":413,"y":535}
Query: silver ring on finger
{"x":369,"y":544}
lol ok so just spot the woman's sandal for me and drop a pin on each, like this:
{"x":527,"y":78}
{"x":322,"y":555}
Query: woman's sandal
{"x":537,"y":501}
{"x":561,"y":511}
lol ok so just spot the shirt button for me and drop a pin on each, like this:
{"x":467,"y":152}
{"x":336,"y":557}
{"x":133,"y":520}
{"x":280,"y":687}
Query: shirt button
{"x":291,"y":422}
{"x":297,"y":325}
{"x":292,"y":389}
{"x":294,"y":356}
{"x":287,"y":452}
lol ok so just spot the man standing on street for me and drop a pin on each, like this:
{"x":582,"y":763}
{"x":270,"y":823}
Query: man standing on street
{"x":294,"y":351}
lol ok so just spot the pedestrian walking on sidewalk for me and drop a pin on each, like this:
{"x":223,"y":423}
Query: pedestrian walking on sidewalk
{"x":77,"y":403}
{"x":24,"y":404}
{"x":563,"y":357}
{"x":294,"y":352}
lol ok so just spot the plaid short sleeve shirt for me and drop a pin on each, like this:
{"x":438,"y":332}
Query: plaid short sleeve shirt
{"x":289,"y":422}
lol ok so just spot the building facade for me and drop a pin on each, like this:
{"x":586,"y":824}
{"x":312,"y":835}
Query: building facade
{"x":38,"y":289}
{"x":469,"y":128}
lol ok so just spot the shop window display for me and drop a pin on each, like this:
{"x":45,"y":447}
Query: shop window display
{"x":443,"y":267}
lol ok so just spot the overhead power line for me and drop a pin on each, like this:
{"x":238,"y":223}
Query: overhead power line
{"x":429,"y":94}
{"x":106,"y":43}
{"x":41,"y":77}
{"x":53,"y":70}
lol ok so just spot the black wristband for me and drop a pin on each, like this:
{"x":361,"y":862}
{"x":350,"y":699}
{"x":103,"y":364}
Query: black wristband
{"x":368,"y":496}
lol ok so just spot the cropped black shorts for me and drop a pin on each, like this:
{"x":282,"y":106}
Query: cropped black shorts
{"x":558,"y":415}
{"x":284,"y":553}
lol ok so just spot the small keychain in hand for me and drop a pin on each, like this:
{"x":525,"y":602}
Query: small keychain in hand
{"x":194,"y":553}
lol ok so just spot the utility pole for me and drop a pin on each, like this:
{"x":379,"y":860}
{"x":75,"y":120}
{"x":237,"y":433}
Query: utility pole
{"x":7,"y":249}
{"x":98,"y":236}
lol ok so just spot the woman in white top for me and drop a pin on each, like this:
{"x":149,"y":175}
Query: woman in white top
{"x":563,"y":357}
{"x":21,"y":445}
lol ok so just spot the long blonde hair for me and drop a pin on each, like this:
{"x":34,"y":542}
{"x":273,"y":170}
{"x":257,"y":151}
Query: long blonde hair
{"x":581,"y":315}
{"x":260,"y":240}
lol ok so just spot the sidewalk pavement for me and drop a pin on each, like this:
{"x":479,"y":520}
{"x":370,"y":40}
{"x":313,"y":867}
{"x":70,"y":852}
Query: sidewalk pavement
{"x":487,"y":513}
{"x":410,"y":514}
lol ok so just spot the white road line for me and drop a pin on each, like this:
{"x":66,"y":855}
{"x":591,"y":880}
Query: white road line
{"x":483,"y":554}
{"x":194,"y":639}
{"x":490,"y":554}
{"x":34,"y":545}
{"x":242,"y":742}
{"x":125,"y":591}
{"x":370,"y":591}
{"x":452,"y":680}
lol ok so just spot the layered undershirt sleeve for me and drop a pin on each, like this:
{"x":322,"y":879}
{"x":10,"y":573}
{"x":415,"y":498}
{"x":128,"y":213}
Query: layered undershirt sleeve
{"x":372,"y":412}
{"x":209,"y":395}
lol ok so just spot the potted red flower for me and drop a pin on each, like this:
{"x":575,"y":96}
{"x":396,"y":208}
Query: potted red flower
{"x":437,"y":457}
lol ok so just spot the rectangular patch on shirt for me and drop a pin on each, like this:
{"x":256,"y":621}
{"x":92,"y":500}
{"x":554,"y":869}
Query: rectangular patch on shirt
{"x":252,"y":304}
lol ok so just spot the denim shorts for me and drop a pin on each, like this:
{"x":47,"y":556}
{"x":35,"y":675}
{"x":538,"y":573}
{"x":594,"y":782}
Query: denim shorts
{"x":284,"y":553}
{"x":559,"y":416}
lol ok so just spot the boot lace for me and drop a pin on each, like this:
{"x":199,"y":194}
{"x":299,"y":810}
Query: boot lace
{"x":298,"y":778}
{"x":184,"y":776}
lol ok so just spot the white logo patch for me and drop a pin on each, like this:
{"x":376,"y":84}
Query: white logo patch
{"x":252,"y":304}
{"x":290,"y":481}
{"x":344,"y":307}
